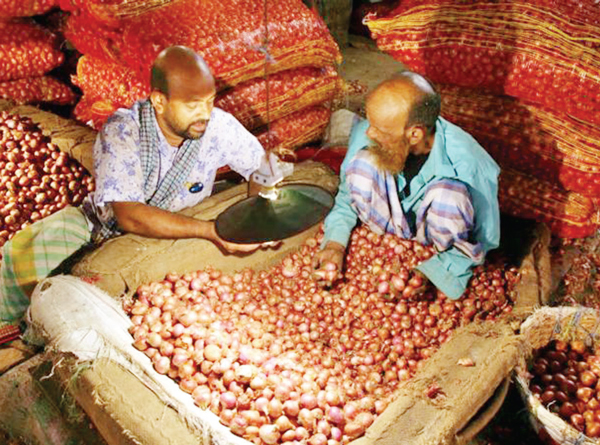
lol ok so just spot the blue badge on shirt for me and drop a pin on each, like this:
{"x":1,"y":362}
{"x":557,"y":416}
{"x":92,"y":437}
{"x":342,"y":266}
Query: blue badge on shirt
{"x":196,"y":187}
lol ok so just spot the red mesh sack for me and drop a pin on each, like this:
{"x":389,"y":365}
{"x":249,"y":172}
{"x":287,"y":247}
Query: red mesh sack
{"x":531,"y":50}
{"x":530,"y":138}
{"x":25,"y":8}
{"x":26,"y":50}
{"x":104,"y":80}
{"x":230,"y":35}
{"x":111,"y":11}
{"x":568,"y":214}
{"x":93,"y":112}
{"x":296,"y":129}
{"x":37,"y":89}
{"x":289,"y":91}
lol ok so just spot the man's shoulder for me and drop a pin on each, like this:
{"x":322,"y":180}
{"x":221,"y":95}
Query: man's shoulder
{"x":123,"y":119}
{"x":464,"y":151}
{"x":223,"y":117}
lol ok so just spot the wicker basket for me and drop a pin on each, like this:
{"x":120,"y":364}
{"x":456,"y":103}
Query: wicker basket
{"x":545,"y":325}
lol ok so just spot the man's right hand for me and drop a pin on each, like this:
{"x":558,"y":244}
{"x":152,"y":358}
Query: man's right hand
{"x":332,"y":253}
{"x":230,"y":247}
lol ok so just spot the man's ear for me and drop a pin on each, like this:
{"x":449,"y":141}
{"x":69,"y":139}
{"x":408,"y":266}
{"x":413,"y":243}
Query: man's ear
{"x":415,"y":134}
{"x":159,"y":101}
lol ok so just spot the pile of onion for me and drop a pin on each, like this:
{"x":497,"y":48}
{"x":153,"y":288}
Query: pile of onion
{"x":565,"y":379}
{"x":36,"y":178}
{"x":281,"y":358}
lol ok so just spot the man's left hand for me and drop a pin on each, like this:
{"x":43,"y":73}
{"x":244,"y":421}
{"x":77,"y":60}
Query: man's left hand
{"x":419,"y":290}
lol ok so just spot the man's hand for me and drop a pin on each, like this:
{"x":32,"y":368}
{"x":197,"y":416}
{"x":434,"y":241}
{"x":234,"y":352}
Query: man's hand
{"x":230,"y":247}
{"x":419,"y":282}
{"x":236,"y":248}
{"x":332,"y":254}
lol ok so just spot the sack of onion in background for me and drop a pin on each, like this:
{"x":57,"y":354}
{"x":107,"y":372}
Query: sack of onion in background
{"x":27,"y":53}
{"x":540,"y":51}
{"x":297,"y":60}
{"x":533,"y":139}
{"x":231,"y":36}
{"x":24,"y":8}
{"x":291,"y":94}
{"x":559,"y":382}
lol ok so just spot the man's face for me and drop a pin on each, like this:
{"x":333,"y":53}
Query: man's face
{"x":388,"y":132}
{"x":190,"y":102}
{"x":188,"y":117}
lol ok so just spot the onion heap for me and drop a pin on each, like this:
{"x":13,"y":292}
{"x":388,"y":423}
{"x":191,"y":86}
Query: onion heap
{"x":36,"y":178}
{"x":565,"y":379}
{"x":280,"y":357}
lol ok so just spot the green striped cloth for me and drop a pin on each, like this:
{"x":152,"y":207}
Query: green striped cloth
{"x":34,"y":253}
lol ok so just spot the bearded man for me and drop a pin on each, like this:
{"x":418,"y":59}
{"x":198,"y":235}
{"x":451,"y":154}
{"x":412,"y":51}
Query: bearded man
{"x":412,"y":173}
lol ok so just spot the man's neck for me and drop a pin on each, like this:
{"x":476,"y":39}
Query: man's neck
{"x":172,"y":139}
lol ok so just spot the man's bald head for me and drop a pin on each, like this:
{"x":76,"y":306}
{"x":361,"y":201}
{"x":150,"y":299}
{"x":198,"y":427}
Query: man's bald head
{"x":175,"y":67}
{"x":411,"y":93}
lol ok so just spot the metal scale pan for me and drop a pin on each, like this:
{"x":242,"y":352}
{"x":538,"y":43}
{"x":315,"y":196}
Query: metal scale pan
{"x":257,"y":219}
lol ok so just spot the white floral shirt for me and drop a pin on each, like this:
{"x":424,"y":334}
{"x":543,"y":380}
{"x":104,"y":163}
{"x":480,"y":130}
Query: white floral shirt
{"x":117,"y":166}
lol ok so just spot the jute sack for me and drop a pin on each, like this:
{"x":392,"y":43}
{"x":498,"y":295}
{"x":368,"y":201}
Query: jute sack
{"x":73,"y":138}
{"x":545,"y":325}
{"x":122,"y":264}
{"x":445,"y":402}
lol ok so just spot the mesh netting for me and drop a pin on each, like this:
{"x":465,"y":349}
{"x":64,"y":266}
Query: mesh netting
{"x":26,"y":50}
{"x":295,"y":129}
{"x":545,"y":51}
{"x":37,"y":89}
{"x":568,"y":214}
{"x":231,"y":36}
{"x":25,"y":8}
{"x":530,"y":138}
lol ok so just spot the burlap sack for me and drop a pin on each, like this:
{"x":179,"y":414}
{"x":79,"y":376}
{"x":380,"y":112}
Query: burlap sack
{"x":545,"y":325}
{"x":534,"y":288}
{"x":122,"y":264}
{"x":415,"y":418}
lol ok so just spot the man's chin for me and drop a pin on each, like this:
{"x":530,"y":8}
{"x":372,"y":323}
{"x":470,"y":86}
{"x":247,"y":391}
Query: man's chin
{"x":385,"y":163}
{"x":194,"y":135}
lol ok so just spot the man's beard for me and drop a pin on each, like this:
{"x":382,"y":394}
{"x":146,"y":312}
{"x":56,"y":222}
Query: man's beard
{"x":186,"y":132}
{"x":391,"y":161}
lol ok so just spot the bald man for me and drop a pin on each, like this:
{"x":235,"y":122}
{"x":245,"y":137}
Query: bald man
{"x":150,"y":161}
{"x":412,"y":173}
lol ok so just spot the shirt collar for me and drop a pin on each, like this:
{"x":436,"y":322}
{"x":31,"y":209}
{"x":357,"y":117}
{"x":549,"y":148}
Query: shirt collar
{"x":438,"y":163}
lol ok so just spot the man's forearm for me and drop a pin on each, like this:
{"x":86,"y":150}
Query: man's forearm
{"x":152,"y":222}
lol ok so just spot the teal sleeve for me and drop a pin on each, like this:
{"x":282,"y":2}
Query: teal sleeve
{"x":342,"y":218}
{"x":450,"y":271}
